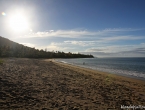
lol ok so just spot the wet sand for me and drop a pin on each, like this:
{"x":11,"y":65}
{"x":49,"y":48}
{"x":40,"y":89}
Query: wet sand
{"x":32,"y":84}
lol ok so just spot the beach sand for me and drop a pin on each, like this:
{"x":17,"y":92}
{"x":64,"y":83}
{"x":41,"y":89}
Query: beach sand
{"x":39,"y":84}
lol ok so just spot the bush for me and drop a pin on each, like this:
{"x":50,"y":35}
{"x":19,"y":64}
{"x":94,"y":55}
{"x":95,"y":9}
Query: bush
{"x":1,"y":61}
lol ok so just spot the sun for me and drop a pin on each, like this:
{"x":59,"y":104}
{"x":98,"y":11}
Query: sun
{"x":18,"y":22}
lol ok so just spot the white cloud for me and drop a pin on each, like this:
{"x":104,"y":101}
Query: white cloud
{"x":56,"y":47}
{"x":81,"y":43}
{"x":108,"y":49}
{"x":78,"y":33}
{"x":117,"y":38}
{"x":118,"y":48}
{"x":104,"y":40}
{"x":123,"y":29}
{"x":60,"y":33}
{"x":28,"y":44}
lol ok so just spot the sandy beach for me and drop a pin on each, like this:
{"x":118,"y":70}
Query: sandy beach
{"x":39,"y":84}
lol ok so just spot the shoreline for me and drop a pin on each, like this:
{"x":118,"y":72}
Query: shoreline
{"x":47,"y":85}
{"x":95,"y":70}
{"x":118,"y":74}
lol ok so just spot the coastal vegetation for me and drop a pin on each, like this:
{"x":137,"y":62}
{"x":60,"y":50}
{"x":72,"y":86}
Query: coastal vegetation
{"x":11,"y":49}
{"x":1,"y":61}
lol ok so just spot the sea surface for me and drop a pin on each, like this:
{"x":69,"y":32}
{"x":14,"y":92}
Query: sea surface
{"x":131,"y":67}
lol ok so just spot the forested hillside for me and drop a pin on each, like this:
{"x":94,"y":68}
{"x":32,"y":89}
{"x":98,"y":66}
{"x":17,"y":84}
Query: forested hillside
{"x":11,"y":49}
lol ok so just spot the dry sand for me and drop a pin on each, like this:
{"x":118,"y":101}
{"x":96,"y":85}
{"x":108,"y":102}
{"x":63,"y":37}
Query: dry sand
{"x":31,"y":84}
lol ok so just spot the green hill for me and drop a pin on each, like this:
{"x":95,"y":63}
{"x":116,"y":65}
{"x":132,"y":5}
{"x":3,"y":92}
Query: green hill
{"x":9,"y":48}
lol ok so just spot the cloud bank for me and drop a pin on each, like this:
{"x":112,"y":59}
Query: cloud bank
{"x":107,"y":43}
{"x":78,"y":33}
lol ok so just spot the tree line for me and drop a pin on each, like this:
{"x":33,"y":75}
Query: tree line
{"x":11,"y":49}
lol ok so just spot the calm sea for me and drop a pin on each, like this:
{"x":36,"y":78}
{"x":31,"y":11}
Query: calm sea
{"x":131,"y":67}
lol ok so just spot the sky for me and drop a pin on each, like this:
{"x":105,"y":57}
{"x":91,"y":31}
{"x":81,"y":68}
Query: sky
{"x":103,"y":28}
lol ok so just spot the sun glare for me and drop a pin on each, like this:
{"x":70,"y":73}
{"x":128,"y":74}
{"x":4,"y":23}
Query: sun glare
{"x":3,"y":13}
{"x":18,"y":22}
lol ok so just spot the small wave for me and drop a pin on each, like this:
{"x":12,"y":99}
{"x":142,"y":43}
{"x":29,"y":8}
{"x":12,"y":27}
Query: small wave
{"x":117,"y":71}
{"x":122,"y":72}
{"x":63,"y":61}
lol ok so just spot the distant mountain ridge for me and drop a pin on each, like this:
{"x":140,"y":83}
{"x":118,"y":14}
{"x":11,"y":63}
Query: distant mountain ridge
{"x":5,"y":41}
{"x":9,"y":48}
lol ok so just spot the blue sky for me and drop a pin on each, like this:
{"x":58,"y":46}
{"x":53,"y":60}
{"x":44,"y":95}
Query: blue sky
{"x":104,"y":28}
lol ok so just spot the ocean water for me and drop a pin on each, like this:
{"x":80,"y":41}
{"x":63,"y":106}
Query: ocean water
{"x":131,"y":67}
